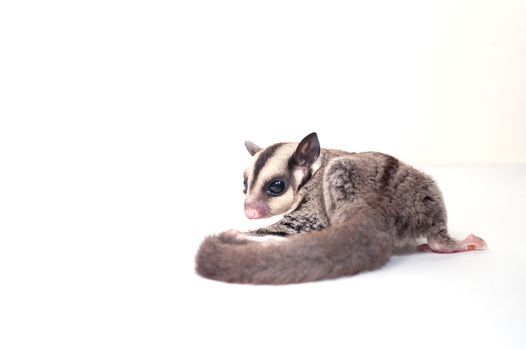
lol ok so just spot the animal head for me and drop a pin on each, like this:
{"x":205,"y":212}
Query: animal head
{"x":273,"y":180}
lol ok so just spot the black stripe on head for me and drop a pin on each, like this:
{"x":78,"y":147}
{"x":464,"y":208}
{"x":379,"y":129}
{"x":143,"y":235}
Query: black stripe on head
{"x":263,"y":157}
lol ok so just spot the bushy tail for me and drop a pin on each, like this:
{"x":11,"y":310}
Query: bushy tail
{"x":341,"y":250}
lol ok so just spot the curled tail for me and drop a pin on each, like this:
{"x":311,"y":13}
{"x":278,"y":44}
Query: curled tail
{"x":340,"y":250}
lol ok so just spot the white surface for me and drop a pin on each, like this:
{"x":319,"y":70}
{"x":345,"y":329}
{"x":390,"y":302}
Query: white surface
{"x":121,"y":130}
{"x":93,"y":261}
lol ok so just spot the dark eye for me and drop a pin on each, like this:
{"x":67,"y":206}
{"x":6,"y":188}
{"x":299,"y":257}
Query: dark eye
{"x":275,"y":188}
{"x":245,"y":185}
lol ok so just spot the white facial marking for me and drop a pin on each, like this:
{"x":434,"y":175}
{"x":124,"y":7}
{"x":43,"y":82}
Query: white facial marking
{"x":274,"y":169}
{"x":277,"y":168}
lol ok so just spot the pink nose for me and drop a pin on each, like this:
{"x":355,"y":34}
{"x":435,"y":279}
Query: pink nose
{"x":256,"y":209}
{"x":252,"y":213}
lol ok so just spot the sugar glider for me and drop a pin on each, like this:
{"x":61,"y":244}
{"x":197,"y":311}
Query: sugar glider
{"x":344,"y":213}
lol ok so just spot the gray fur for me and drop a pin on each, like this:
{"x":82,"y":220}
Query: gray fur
{"x":352,"y":212}
{"x":252,"y":148}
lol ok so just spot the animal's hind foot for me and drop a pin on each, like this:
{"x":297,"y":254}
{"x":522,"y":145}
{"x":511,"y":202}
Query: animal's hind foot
{"x":469,"y":243}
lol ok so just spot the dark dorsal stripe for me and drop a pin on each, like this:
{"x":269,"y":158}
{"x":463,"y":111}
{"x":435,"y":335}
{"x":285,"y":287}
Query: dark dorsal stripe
{"x":263,"y":157}
{"x":389,"y":170}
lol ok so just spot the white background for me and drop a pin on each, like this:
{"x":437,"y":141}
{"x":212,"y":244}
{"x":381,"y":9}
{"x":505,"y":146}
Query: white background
{"x":121,"y":130}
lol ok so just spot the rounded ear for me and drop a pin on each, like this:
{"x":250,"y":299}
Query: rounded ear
{"x":307,"y":151}
{"x":252,"y":148}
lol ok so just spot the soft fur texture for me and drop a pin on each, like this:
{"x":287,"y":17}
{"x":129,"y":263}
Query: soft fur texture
{"x":351,"y":213}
